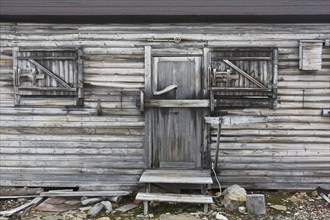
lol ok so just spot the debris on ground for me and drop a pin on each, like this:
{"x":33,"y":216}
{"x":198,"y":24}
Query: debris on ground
{"x":11,"y":212}
{"x":96,"y":209}
{"x":279,"y":206}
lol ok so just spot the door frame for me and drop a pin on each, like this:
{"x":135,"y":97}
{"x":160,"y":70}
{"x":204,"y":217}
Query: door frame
{"x":206,"y":139}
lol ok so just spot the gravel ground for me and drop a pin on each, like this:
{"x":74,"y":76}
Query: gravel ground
{"x":299,"y":206}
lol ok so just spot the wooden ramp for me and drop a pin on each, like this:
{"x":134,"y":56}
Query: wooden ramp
{"x":175,"y":176}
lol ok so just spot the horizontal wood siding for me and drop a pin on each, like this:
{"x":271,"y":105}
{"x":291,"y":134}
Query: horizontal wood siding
{"x":101,"y":145}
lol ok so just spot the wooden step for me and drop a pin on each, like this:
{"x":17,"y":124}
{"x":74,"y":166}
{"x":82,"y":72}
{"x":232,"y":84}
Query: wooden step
{"x":176,"y":176}
{"x":170,"y":197}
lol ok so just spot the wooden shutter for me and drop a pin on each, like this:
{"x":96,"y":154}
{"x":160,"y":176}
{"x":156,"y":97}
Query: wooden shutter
{"x":243,"y":77}
{"x":310,"y":54}
{"x":48,"y":76}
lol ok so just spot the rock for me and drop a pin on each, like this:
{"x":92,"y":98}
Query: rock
{"x":302,"y":195}
{"x":279,"y":207}
{"x":68,"y":216}
{"x":236,"y":193}
{"x":151,"y":215}
{"x":107,"y":205}
{"x":242,"y":209}
{"x":314,"y":194}
{"x":177,"y":217}
{"x":82,"y":215}
{"x":21,"y":199}
{"x":234,"y":196}
{"x":3,"y":218}
{"x":86,"y":208}
{"x":295,"y":199}
{"x":54,"y":217}
{"x":193,"y":214}
{"x":219,"y":216}
{"x":104,"y":218}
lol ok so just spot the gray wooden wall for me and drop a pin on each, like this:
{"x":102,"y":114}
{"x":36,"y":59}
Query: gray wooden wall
{"x":65,"y":147}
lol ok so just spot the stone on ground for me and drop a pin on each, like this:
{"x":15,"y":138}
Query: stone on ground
{"x":234,"y":197}
{"x":242,"y":209}
{"x":279,"y":207}
{"x":219,"y":216}
{"x":177,"y":217}
{"x":104,"y":218}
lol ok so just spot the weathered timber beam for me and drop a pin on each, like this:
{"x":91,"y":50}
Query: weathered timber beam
{"x":233,"y":89}
{"x":47,"y":58}
{"x":49,"y":88}
{"x":84,"y":193}
{"x":194,"y":103}
{"x":240,"y":58}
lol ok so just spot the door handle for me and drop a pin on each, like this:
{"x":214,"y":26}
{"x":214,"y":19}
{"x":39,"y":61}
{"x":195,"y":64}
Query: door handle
{"x":166,"y":90}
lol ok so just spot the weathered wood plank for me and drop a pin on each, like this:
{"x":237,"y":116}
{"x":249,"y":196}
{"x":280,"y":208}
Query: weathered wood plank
{"x":10,"y":212}
{"x":185,"y":198}
{"x":176,"y":176}
{"x":84,"y":193}
{"x":70,"y":170}
{"x":201,"y":103}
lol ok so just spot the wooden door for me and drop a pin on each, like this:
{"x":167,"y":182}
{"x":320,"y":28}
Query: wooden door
{"x":175,"y":133}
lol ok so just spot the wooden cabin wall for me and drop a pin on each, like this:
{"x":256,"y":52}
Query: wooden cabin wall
{"x":93,"y":149}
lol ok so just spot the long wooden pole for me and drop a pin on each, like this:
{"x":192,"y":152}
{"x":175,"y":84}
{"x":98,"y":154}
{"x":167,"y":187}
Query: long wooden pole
{"x":217,"y":147}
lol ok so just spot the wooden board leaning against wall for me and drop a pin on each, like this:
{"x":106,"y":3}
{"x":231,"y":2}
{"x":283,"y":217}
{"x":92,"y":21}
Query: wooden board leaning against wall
{"x":101,"y":145}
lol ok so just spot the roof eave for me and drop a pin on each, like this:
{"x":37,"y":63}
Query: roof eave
{"x":320,"y":18}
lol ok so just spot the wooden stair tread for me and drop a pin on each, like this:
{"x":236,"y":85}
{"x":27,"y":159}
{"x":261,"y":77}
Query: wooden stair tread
{"x":177,"y":176}
{"x":170,"y":197}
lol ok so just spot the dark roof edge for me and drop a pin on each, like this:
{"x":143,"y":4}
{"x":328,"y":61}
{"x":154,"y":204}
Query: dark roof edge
{"x":101,"y":19}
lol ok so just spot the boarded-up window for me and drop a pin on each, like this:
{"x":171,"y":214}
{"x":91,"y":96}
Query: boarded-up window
{"x":243,"y":77}
{"x":48,"y":77}
{"x":310,"y":54}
